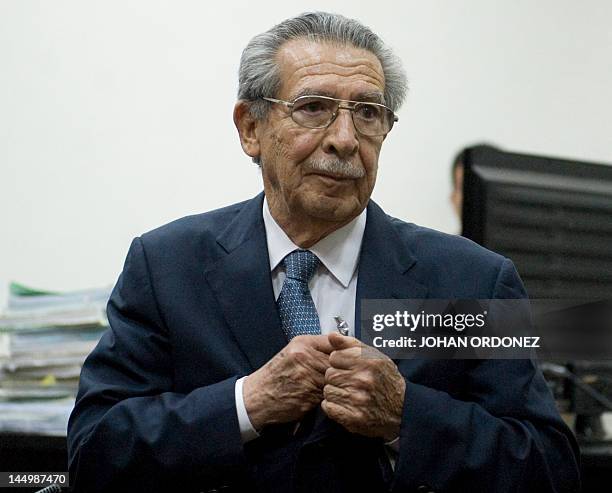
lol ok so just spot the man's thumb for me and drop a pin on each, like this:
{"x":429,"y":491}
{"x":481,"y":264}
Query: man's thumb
{"x":338,"y":341}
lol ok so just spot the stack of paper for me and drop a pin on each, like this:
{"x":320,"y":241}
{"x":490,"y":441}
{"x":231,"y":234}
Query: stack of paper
{"x":44,"y":340}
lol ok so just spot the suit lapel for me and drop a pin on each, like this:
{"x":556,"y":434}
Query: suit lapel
{"x":384,"y":264}
{"x":242,"y":283}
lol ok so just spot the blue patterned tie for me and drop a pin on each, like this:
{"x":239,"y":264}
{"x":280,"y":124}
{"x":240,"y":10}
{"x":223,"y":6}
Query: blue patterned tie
{"x":296,"y":309}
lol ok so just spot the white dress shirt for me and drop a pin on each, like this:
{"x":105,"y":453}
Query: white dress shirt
{"x":333,"y":286}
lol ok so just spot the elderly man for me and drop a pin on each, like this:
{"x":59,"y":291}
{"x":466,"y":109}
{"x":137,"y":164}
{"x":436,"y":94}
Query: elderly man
{"x":223,"y":369}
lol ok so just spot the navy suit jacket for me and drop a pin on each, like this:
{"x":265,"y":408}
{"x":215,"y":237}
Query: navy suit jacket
{"x":194,"y":310}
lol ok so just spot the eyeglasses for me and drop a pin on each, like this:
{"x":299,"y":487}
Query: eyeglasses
{"x":371,"y":119}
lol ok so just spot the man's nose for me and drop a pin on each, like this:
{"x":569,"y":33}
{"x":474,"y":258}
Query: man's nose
{"x":341,"y":136}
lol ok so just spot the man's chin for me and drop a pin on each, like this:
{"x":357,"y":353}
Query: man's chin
{"x":333,"y":209}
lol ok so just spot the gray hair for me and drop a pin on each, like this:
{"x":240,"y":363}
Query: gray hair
{"x":259,"y":75}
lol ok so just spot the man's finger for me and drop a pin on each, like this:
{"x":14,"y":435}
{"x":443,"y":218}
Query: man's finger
{"x":318,"y":362}
{"x":338,"y":341}
{"x":337,"y":377}
{"x":319,"y":342}
{"x":338,"y":395}
{"x":333,"y":410}
{"x":345,"y":359}
{"x":336,"y":412}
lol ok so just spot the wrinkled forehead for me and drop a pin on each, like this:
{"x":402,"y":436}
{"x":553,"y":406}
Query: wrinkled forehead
{"x":329,"y":69}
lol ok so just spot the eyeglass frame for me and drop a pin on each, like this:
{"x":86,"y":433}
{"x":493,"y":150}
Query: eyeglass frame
{"x":291,"y":104}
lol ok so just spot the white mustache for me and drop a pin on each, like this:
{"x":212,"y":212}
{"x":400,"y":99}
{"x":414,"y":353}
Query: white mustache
{"x":336,"y":167}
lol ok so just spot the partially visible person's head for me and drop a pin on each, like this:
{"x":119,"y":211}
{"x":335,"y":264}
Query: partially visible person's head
{"x":457,"y":170}
{"x":323,"y":173}
{"x":457,"y":174}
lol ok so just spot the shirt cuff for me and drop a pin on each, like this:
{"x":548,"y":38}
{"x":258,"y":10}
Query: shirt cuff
{"x":247,"y":432}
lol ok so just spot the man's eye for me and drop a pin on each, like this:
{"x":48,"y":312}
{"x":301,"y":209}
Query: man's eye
{"x":368,"y":111}
{"x":312,"y":107}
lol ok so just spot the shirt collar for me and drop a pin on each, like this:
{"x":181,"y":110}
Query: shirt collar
{"x":338,"y":251}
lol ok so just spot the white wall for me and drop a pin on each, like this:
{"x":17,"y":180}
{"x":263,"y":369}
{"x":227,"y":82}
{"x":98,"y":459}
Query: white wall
{"x":115,"y":116}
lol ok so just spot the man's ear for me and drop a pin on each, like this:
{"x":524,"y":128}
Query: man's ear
{"x":247,"y":126}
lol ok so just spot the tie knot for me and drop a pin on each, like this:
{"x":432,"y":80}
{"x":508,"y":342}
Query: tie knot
{"x":301,"y":265}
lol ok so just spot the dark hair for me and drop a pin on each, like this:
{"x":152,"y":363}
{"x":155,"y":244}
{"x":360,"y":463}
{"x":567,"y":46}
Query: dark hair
{"x":461,"y":155}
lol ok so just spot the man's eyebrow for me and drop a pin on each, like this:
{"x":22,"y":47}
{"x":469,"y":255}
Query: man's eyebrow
{"x":307,"y":91}
{"x":371,"y":96}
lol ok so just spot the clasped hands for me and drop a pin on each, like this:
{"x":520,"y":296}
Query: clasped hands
{"x":355,"y":384}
